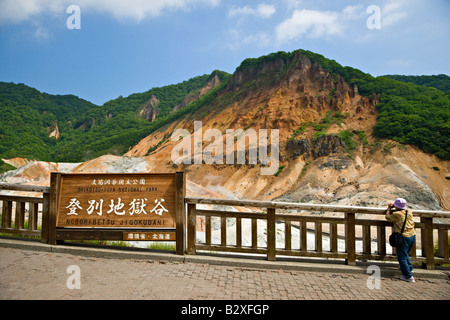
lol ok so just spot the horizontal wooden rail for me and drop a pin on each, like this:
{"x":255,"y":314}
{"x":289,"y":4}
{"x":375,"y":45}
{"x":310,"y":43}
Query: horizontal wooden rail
{"x":21,"y":198}
{"x":23,"y":187}
{"x":310,"y":207}
{"x":370,"y":229}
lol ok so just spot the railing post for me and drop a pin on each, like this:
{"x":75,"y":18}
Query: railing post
{"x":55,"y":179}
{"x":333,"y":237}
{"x":33,"y":216}
{"x":20,"y":215}
{"x":45,"y":216}
{"x":381,"y":240}
{"x":191,"y":228}
{"x":318,"y":237}
{"x":271,"y":234}
{"x":427,"y":243}
{"x":366,"y":240}
{"x":350,"y":239}
{"x":443,"y":244}
{"x":254,"y":233}
{"x":288,"y":235}
{"x":180,"y":214}
{"x":208,"y":230}
{"x":6,"y":214}
{"x":303,"y":236}
{"x":223,"y":231}
{"x":239,"y":232}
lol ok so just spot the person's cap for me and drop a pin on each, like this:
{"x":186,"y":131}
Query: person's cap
{"x":400,"y":203}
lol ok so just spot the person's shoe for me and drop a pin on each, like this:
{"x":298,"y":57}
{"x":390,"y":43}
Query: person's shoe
{"x":402,"y":277}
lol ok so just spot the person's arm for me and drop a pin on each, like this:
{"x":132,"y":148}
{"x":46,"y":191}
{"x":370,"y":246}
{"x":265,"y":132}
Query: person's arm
{"x":388,"y":211}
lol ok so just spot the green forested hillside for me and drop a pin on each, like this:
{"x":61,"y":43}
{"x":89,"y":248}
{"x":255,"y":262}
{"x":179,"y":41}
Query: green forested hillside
{"x":27,"y":115}
{"x":115,"y":126}
{"x":411,"y":113}
{"x":440,"y":81}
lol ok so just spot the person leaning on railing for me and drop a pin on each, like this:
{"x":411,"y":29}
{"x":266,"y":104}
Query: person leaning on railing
{"x":396,"y":213}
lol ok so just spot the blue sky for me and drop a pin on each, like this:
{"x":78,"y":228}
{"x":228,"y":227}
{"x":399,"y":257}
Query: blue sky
{"x":124,"y":47}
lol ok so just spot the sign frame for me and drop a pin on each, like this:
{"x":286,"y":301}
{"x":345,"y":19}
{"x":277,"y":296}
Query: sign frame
{"x":59,"y":231}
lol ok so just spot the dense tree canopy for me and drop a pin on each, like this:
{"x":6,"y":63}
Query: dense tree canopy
{"x":86,"y":130}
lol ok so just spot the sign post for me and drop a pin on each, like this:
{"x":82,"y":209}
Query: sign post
{"x":118,"y":206}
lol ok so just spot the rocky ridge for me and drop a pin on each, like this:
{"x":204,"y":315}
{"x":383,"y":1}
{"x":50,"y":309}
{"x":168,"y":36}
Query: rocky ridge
{"x":149,"y":110}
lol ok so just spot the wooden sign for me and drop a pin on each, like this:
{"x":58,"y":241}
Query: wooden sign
{"x":144,"y":201}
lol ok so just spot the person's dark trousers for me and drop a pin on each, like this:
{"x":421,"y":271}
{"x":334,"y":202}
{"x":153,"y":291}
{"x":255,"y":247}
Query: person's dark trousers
{"x":403,"y":256}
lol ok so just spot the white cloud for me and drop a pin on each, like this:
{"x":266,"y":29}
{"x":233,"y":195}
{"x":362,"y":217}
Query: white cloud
{"x":262,"y":10}
{"x":236,"y":39}
{"x":293,"y":4}
{"x":353,"y":12}
{"x":392,"y":18}
{"x":260,"y":39}
{"x":13,"y":11}
{"x":234,"y":11}
{"x":312,"y":23}
{"x":41,"y":33}
{"x":140,"y":9}
{"x":394,"y":11}
{"x":265,"y":10}
{"x":301,"y":23}
{"x":21,"y":10}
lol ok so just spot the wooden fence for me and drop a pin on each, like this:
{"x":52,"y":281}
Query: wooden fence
{"x":28,"y":211}
{"x":373,"y":231}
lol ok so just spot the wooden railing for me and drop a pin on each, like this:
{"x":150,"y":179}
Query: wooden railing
{"x":372,"y":232}
{"x":28,"y":211}
{"x":361,"y":238}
